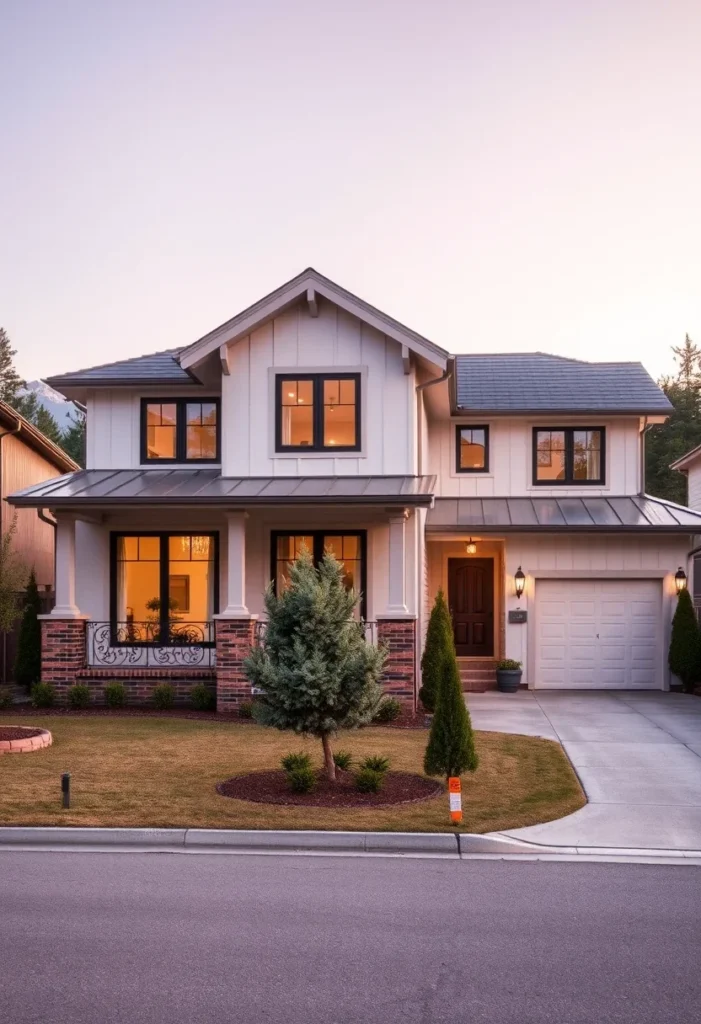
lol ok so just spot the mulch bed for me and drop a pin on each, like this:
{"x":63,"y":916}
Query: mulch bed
{"x":272,"y":787}
{"x":11,"y":732}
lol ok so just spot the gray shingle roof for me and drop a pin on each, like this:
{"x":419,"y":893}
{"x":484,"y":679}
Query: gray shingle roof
{"x":156,"y":368}
{"x":536,"y":382}
{"x":627,"y":513}
{"x":207,"y":487}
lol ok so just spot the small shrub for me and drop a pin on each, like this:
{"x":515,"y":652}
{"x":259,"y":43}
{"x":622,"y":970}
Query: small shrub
{"x":5,"y":698}
{"x":291,"y":762}
{"x":115,"y":695}
{"x":684,"y":657}
{"x":369,"y":781}
{"x":43,"y":695}
{"x":389,"y":710}
{"x":509,"y":665}
{"x":79,"y":695}
{"x":376,"y":764}
{"x":246,"y":709}
{"x":343,"y":760}
{"x":164,"y":696}
{"x":302,"y":780}
{"x":439,"y":640}
{"x":202,"y":698}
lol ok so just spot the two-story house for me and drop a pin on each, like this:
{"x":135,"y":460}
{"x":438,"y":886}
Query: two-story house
{"x":514,"y":482}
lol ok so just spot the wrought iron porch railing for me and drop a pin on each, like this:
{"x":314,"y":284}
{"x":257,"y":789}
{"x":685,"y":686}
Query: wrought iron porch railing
{"x":130,"y":644}
{"x":369,"y":629}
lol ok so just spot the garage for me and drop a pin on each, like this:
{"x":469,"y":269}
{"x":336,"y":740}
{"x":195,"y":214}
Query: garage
{"x":599,"y":634}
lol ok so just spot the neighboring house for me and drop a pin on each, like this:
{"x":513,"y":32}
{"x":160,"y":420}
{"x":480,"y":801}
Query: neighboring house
{"x":690,"y":466}
{"x":27,"y":457}
{"x":312,"y":417}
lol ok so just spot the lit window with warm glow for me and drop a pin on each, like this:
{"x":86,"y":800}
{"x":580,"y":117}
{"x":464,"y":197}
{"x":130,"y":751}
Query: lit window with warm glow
{"x":472,"y":449}
{"x":180,"y":431}
{"x":318,"y":412}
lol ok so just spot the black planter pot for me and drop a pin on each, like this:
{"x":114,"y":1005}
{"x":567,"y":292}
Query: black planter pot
{"x":509,"y":679}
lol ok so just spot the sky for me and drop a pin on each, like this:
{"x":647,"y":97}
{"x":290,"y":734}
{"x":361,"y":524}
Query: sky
{"x":506,"y":176}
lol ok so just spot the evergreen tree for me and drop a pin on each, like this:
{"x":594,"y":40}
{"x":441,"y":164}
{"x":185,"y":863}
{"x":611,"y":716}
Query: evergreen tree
{"x":10,"y":380}
{"x":28,"y":661}
{"x":685,"y":644}
{"x":451,"y":743}
{"x":434,"y":651}
{"x":13,"y":576}
{"x":666,"y":442}
{"x":47,"y":424}
{"x":73,"y":439}
{"x":317,"y":672}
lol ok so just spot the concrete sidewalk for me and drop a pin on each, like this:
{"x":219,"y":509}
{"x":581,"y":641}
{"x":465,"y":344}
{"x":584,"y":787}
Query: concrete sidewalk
{"x":637,"y":754}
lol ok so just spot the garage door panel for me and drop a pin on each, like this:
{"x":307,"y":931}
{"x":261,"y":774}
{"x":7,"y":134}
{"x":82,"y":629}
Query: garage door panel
{"x":599,"y":634}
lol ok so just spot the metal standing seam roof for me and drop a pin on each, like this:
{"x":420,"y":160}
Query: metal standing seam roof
{"x":629,"y":513}
{"x":155,"y":368}
{"x":207,"y":487}
{"x":537,"y":382}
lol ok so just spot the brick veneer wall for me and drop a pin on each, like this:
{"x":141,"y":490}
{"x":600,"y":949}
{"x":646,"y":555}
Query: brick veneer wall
{"x":62,"y":652}
{"x":399,"y":677}
{"x":140,"y":683}
{"x":234,"y":639}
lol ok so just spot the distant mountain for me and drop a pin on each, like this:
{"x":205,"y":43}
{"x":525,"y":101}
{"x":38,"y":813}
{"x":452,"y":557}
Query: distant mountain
{"x":60,"y":408}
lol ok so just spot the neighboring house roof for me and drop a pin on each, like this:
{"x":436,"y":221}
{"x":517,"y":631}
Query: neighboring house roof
{"x":197,"y":486}
{"x":686,"y":461}
{"x":11,"y":420}
{"x":502,"y":383}
{"x":156,"y":368}
{"x":628,"y":513}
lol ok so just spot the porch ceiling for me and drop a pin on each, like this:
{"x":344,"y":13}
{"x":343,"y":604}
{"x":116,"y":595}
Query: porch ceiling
{"x":628,"y":513}
{"x":207,"y":487}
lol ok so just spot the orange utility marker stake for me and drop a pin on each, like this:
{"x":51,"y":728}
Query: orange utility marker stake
{"x":455,"y":793}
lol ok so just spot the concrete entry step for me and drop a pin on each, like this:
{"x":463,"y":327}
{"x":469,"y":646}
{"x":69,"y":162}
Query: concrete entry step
{"x":477,"y":675}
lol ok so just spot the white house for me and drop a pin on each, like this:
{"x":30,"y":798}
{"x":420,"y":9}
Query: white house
{"x":312,"y":417}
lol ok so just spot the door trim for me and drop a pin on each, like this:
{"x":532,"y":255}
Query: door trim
{"x":483,"y":559}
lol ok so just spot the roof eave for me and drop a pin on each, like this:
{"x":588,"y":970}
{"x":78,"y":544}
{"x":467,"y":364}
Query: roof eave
{"x":569,"y":410}
{"x":591,"y":528}
{"x":226,"y":501}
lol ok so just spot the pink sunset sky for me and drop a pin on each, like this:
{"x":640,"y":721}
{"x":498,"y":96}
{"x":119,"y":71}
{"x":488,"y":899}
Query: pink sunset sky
{"x":500,"y":176}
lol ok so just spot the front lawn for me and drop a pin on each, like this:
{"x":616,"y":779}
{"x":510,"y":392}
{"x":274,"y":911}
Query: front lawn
{"x":131,"y":771}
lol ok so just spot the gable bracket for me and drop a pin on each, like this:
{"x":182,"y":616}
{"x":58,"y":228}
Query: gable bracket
{"x":406,"y":359}
{"x":312,"y":302}
{"x":224,"y":360}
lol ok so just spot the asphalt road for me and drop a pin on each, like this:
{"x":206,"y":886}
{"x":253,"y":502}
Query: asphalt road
{"x":169,"y":939}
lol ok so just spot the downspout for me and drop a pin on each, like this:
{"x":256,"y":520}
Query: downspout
{"x":646,"y":426}
{"x":5,"y":433}
{"x":446,"y":375}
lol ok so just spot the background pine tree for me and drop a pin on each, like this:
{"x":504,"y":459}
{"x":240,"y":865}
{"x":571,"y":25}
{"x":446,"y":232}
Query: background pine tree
{"x":451,"y":742}
{"x":316,"y":669}
{"x":434,"y":651}
{"x":685,"y":644}
{"x":10,"y":380}
{"x":28,"y":661}
{"x":668,"y":441}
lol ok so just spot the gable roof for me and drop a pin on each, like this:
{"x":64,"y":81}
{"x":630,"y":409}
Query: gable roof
{"x":686,"y":461}
{"x":156,"y":368}
{"x":536,"y":382}
{"x":312,"y":282}
{"x":12,"y":422}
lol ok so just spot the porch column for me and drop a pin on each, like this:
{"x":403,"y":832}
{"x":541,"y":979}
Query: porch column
{"x":236,"y":607}
{"x":396,"y":603}
{"x":65,"y":607}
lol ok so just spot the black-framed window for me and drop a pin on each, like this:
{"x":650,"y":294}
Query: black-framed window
{"x":472,"y":449}
{"x":569,"y":455}
{"x":317,"y":412}
{"x":349,"y":547}
{"x":164,"y":587}
{"x":180,"y":430}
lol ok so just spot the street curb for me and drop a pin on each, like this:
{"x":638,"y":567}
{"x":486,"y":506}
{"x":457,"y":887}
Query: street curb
{"x":465,"y":845}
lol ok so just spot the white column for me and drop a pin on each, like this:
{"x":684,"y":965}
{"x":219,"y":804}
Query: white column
{"x":236,"y":566}
{"x":397,"y":564}
{"x":65,"y":607}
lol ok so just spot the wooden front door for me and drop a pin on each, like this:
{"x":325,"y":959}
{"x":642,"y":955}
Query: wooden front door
{"x":471,"y":603}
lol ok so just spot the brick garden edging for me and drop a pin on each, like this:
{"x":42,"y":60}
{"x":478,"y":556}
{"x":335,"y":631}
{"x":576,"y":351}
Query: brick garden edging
{"x":27,"y":745}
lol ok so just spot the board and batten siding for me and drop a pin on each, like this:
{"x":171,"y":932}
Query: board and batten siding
{"x":334,"y":339}
{"x":694,"y":485}
{"x":511,"y":458}
{"x":613,"y":557}
{"x":33,"y":540}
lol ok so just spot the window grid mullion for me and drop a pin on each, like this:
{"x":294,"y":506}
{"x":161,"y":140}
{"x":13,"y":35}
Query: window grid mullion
{"x":165,"y":595}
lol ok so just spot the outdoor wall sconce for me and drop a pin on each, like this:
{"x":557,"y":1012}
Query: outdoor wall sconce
{"x":680,"y":580}
{"x":471,"y":547}
{"x":519,"y":581}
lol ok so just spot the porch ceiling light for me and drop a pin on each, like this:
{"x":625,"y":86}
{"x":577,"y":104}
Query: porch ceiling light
{"x":471,"y":547}
{"x":519,"y":581}
{"x":680,"y":580}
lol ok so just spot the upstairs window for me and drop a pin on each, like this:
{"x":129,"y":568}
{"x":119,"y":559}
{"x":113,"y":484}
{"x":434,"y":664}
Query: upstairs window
{"x":472,"y":449}
{"x":178,"y":430}
{"x":317,"y":412}
{"x":569,"y":455}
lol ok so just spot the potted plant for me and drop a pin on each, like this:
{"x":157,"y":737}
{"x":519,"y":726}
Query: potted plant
{"x":509,"y":674}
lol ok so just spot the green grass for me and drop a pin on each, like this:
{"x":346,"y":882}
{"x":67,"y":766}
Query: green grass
{"x":131,"y":771}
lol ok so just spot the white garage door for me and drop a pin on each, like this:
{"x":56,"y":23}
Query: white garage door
{"x":598,"y":634}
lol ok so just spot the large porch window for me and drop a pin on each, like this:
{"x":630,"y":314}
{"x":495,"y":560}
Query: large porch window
{"x":348,"y":548}
{"x":163,"y":588}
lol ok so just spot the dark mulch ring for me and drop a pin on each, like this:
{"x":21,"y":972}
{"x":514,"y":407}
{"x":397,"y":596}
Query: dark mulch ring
{"x":11,"y":732}
{"x":272,"y":787}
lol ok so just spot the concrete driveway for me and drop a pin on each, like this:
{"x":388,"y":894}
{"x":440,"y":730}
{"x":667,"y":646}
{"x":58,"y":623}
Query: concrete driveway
{"x":637,"y":754}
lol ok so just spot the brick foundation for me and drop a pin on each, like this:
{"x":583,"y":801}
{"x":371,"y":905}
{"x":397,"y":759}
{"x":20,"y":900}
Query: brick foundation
{"x":399,"y":677}
{"x":234,"y":639}
{"x":140,"y":683}
{"x":62,"y":653}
